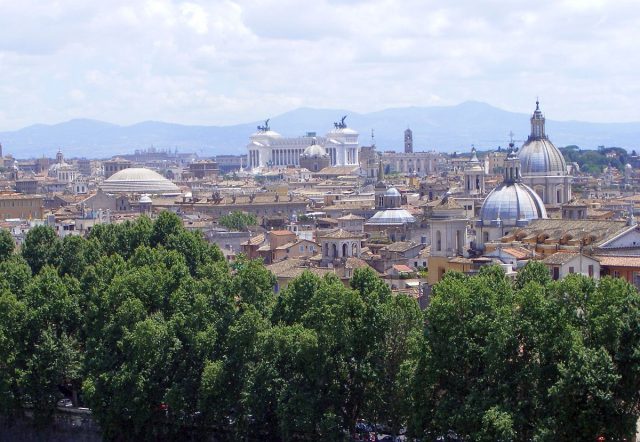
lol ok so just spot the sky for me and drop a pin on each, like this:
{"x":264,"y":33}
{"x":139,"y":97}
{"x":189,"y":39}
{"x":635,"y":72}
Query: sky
{"x":225,"y":62}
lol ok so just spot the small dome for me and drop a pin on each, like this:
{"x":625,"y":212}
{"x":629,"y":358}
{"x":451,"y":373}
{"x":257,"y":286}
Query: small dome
{"x":138,"y":180}
{"x":391,"y":217}
{"x":512,"y":202}
{"x":628,"y":166}
{"x":314,"y":151}
{"x":392,"y":191}
{"x":145,"y":199}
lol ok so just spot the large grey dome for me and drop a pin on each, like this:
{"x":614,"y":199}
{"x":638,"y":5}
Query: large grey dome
{"x":138,"y":180}
{"x":540,"y":157}
{"x":512,"y":202}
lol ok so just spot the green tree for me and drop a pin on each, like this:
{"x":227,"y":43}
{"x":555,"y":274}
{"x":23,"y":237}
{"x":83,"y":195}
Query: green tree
{"x":165,"y":225}
{"x":7,"y":244}
{"x":537,"y":361}
{"x":238,"y":221}
{"x":41,"y":246}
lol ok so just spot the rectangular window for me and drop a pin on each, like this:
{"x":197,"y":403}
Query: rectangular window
{"x":571,"y":270}
{"x":591,"y":271}
{"x":556,"y":273}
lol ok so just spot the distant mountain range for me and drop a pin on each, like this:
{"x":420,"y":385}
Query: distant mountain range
{"x":443,"y":128}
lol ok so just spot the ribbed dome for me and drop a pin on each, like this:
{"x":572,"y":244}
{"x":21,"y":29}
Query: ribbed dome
{"x":138,"y":180}
{"x":391,"y":216}
{"x":512,"y":202}
{"x":539,"y":157}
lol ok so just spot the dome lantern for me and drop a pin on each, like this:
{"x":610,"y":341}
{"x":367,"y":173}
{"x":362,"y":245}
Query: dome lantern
{"x":537,"y":124}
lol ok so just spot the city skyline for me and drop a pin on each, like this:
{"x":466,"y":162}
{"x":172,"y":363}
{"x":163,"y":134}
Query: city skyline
{"x":221,"y":63}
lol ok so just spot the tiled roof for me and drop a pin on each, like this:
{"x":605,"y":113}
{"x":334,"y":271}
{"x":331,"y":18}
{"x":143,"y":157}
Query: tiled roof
{"x":355,"y":263}
{"x":518,"y":252}
{"x":400,"y":246}
{"x":559,"y":258}
{"x":596,"y":230}
{"x":258,"y":239}
{"x":341,"y":234}
{"x":281,"y":232}
{"x":619,"y":261}
{"x":351,"y":216}
{"x":402,"y":268}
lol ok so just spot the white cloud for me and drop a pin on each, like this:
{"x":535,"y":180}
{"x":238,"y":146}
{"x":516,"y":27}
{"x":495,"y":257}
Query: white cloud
{"x":222,"y":62}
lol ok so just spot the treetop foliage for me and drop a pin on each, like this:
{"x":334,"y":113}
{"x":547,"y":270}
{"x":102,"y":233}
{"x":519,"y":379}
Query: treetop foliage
{"x":149,"y":326}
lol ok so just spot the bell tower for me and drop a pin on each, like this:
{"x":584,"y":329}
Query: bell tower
{"x":408,"y":141}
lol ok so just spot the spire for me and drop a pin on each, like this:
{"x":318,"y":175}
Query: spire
{"x":380,"y":170}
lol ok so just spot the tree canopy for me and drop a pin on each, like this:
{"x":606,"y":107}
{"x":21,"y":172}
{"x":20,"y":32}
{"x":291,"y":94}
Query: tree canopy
{"x":238,"y":221}
{"x":150,"y":327}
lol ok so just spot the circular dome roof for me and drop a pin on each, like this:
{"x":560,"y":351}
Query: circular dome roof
{"x":511,"y":203}
{"x":539,"y":157}
{"x":392,"y":191}
{"x":314,"y":150}
{"x":391,"y":216}
{"x":138,"y":180}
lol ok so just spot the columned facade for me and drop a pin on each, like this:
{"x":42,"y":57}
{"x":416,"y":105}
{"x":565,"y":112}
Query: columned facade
{"x":420,"y":163}
{"x":270,"y":149}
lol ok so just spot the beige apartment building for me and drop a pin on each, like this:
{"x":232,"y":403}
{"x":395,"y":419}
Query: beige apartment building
{"x":17,"y":205}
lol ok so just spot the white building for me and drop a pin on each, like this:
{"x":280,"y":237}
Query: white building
{"x":420,"y":163}
{"x":562,"y":264}
{"x":269,"y":148}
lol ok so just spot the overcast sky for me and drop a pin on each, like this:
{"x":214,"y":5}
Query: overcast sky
{"x":224,"y":62}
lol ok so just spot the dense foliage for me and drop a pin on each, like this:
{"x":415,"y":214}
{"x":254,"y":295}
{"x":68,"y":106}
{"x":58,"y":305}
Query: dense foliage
{"x":151,"y":328}
{"x":238,"y":221}
{"x":594,"y":161}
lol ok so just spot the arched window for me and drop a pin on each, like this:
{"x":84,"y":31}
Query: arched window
{"x":345,"y":250}
{"x":438,"y":241}
{"x":485,"y":236}
{"x":335,"y":250}
{"x":354,"y":249}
